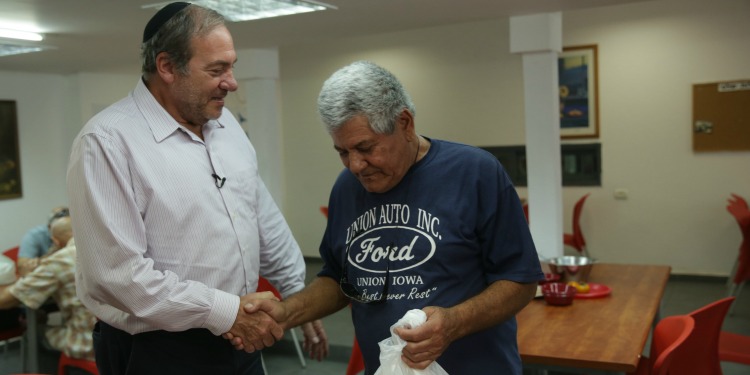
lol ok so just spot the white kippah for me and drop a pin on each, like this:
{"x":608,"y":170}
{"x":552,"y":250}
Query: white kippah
{"x":7,"y":270}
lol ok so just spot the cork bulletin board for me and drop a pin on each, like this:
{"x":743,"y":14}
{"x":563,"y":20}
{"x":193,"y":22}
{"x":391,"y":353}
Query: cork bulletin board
{"x":721,"y":116}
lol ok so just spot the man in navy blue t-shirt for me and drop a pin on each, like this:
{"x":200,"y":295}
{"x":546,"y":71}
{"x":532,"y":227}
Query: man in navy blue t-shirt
{"x":416,"y":223}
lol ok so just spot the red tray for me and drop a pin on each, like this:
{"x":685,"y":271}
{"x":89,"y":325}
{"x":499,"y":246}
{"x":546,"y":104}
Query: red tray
{"x":595,"y":291}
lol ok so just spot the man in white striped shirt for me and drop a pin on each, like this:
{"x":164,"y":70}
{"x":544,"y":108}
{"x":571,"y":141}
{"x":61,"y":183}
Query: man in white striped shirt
{"x":174,"y":225}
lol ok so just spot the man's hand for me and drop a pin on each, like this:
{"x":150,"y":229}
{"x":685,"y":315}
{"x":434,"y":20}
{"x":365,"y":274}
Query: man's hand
{"x":316,"y":340}
{"x":424,"y":344}
{"x":269,"y":307}
{"x":256,"y":329}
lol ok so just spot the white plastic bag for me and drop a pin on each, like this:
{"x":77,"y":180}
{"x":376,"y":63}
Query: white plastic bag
{"x":390,"y":349}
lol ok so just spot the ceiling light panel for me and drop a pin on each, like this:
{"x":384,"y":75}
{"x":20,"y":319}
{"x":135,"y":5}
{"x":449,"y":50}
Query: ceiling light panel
{"x":18,"y":34}
{"x":246,"y":10}
{"x":15,"y":49}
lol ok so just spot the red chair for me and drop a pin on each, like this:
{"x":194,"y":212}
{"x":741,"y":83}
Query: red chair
{"x":356,"y":362}
{"x":734,"y":348}
{"x":12,"y":253}
{"x":324,"y":210}
{"x":83,"y":364}
{"x":667,"y":345}
{"x":738,"y":207}
{"x":703,"y":344}
{"x":265,"y":286}
{"x":575,"y":239}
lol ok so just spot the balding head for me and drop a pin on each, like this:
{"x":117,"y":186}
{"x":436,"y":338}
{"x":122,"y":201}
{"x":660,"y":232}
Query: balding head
{"x":61,"y":231}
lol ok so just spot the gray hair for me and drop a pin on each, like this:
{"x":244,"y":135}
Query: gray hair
{"x":175,"y":35}
{"x":363,"y":89}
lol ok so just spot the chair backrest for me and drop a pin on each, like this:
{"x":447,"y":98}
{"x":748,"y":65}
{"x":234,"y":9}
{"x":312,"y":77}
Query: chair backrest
{"x":324,"y":210}
{"x":667,"y":342}
{"x":703,"y":344}
{"x":577,"y":233}
{"x":65,"y":361}
{"x":739,"y":209}
{"x":265,"y":286}
{"x":742,"y":273}
{"x":12,"y":253}
{"x":734,"y":347}
{"x":526,"y":211}
{"x":356,"y":361}
{"x":738,"y":199}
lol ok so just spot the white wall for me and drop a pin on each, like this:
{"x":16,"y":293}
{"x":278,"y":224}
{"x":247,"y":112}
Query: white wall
{"x":43,"y":142}
{"x":650,"y":55}
{"x":466,"y":86}
{"x":51,"y":111}
{"x":97,"y":91}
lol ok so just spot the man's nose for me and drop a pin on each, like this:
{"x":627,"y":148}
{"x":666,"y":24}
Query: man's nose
{"x":356,"y":163}
{"x":228,"y":83}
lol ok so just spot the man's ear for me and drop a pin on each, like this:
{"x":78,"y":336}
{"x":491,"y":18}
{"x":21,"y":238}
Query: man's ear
{"x":405,"y":121}
{"x":165,"y":68}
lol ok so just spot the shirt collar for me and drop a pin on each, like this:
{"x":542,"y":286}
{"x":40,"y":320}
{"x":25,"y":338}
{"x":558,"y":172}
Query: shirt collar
{"x":162,"y":124}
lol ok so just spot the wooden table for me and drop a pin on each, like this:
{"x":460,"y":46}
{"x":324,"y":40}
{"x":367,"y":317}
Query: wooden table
{"x":606,"y":334}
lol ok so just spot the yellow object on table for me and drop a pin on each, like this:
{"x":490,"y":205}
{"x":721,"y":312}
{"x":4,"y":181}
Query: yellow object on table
{"x":581,"y":287}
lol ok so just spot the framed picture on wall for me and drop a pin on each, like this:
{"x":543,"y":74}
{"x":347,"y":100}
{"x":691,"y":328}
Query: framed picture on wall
{"x":579,"y":93}
{"x":10,"y":165}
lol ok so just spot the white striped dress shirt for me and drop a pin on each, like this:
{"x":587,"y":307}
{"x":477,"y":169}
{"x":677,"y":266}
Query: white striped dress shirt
{"x":160,"y":246}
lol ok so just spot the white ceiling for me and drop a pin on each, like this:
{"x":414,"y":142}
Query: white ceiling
{"x":104,"y":35}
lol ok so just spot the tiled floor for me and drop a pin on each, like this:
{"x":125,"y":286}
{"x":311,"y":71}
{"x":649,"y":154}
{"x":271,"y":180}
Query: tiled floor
{"x":683,"y":294}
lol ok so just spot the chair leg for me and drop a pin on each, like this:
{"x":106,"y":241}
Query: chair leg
{"x":23,"y":352}
{"x":585,"y":251}
{"x":730,"y":279}
{"x":735,"y":292}
{"x":263,"y":364}
{"x":299,"y":349}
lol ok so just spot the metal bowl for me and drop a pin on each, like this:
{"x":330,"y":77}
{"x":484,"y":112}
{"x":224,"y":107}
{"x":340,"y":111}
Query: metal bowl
{"x":571,"y":267}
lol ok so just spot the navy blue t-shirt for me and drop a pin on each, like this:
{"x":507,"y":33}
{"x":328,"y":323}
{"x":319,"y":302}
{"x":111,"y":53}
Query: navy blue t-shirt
{"x":457,"y":225}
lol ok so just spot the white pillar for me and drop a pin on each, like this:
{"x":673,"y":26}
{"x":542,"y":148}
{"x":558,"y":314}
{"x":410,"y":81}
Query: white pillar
{"x":539,"y":39}
{"x":257,"y":71}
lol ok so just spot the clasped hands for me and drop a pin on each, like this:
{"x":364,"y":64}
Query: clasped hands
{"x":424,"y":343}
{"x":261,"y":321}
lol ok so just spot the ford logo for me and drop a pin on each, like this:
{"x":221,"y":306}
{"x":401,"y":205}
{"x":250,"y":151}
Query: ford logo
{"x":370,"y":252}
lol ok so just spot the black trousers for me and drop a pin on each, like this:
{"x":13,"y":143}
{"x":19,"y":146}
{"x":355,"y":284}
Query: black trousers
{"x":196,"y":351}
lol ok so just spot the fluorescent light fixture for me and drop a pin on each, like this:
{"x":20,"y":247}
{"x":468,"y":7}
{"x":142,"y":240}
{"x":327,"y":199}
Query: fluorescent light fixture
{"x":7,"y":49}
{"x":246,"y":10}
{"x":22,"y":35}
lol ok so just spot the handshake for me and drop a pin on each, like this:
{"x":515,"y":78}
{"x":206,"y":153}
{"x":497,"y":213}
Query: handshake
{"x":262,"y":320}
